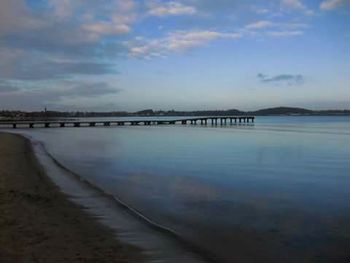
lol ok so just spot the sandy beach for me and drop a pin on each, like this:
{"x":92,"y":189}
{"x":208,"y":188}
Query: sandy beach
{"x":39,"y":224}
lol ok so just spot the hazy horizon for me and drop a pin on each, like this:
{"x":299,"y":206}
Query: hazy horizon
{"x":184,"y":54}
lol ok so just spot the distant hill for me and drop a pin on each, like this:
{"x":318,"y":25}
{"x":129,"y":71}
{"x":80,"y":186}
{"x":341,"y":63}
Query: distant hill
{"x":282,"y":111}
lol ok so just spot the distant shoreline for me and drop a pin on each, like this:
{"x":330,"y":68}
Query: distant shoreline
{"x":277,"y":111}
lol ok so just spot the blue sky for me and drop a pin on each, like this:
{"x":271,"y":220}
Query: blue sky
{"x":182,"y":54}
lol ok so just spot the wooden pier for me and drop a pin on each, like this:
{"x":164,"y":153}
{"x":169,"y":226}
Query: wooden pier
{"x":227,"y":120}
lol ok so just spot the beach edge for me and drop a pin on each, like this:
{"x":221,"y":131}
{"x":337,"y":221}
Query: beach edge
{"x":39,"y":223}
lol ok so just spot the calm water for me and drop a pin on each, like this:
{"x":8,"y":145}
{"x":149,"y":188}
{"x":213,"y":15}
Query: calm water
{"x":275,"y":191}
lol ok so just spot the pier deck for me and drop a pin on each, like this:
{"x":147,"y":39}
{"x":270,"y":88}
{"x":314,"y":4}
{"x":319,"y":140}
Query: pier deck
{"x":214,"y":120}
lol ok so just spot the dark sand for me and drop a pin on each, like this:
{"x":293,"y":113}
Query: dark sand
{"x":39,"y":224}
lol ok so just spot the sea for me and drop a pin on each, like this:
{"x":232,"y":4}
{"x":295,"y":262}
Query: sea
{"x":277,"y":190}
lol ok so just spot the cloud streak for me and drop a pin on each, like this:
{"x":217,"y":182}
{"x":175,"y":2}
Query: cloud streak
{"x":296,"y":5}
{"x":285,"y":33}
{"x":288,"y":79}
{"x":263,"y":24}
{"x":172,"y":8}
{"x":260,"y":25}
{"x":178,"y":41}
{"x":275,"y":29}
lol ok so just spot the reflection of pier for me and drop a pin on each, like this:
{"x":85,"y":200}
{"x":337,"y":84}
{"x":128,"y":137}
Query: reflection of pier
{"x":229,"y":120}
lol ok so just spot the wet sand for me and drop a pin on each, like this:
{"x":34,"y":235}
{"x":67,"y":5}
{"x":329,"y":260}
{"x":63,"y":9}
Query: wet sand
{"x":39,"y":224}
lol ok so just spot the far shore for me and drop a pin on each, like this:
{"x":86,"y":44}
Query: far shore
{"x":39,"y":224}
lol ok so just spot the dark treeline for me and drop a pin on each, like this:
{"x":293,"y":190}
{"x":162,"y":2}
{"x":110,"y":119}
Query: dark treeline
{"x":5,"y":114}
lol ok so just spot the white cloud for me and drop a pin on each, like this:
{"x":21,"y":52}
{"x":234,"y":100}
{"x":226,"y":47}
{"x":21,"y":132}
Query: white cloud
{"x":65,"y":21}
{"x":178,"y":41}
{"x":331,"y":4}
{"x":170,"y":8}
{"x":260,"y":24}
{"x":99,"y":29}
{"x":296,"y":5}
{"x":277,"y":29}
{"x":118,"y":22}
{"x":285,"y":33}
{"x":264,"y":24}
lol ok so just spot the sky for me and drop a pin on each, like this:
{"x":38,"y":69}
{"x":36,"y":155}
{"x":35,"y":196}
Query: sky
{"x":114,"y":55}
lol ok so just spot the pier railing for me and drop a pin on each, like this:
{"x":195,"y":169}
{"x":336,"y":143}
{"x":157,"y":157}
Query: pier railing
{"x":214,"y":120}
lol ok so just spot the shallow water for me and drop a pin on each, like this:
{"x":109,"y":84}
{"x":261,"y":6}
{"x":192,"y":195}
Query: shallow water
{"x":157,"y":244}
{"x":275,"y":191}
